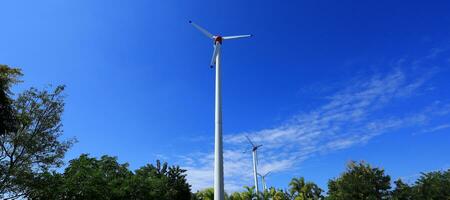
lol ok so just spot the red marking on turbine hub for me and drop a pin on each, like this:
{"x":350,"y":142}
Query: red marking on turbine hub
{"x":218,"y":39}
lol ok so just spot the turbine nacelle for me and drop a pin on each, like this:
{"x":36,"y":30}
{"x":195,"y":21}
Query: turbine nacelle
{"x":256,"y":147}
{"x":217,"y":39}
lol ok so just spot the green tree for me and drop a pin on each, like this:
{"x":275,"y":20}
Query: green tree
{"x":149,"y":182}
{"x":235,"y":196}
{"x":301,"y":190}
{"x":279,"y":194}
{"x":266,"y":195}
{"x":402,"y":191}
{"x":360,"y":181}
{"x":296,"y":187}
{"x":8,"y":77}
{"x":29,"y":142}
{"x":249,"y":193}
{"x":89,"y":178}
{"x":47,"y":185}
{"x":433,"y":186}
{"x":205,"y":194}
{"x":160,"y":182}
{"x":178,"y":183}
{"x":271,"y":191}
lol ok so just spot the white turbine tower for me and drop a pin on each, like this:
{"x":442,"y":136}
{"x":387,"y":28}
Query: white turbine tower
{"x":255,"y":163}
{"x":219,"y":193}
{"x":263,"y":179}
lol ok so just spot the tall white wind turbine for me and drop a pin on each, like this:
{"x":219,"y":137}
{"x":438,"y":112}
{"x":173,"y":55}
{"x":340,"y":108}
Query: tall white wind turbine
{"x":263,"y":180}
{"x":219,"y":193}
{"x":255,"y":163}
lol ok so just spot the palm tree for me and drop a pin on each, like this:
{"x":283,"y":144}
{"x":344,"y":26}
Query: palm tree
{"x":297,"y":187}
{"x":280,"y":195}
{"x":301,"y":190}
{"x":266,"y":195}
{"x":312,"y":191}
{"x":249,"y":193}
{"x":206,"y":194}
{"x":235,"y":196}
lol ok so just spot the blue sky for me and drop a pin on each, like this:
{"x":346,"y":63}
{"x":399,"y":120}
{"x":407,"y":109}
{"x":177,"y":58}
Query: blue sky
{"x":321,"y":83}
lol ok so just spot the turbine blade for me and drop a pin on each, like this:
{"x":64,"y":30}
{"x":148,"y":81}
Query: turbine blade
{"x":213,"y":59}
{"x":235,"y":37}
{"x":250,"y":141}
{"x":204,"y":31}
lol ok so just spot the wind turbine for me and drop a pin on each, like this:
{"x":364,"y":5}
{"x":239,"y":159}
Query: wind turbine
{"x":263,"y":179}
{"x":219,"y":193}
{"x":255,"y":160}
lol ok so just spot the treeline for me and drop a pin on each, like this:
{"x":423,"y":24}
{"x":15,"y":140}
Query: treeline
{"x":90,"y":178}
{"x":360,"y":181}
{"x":31,"y":149}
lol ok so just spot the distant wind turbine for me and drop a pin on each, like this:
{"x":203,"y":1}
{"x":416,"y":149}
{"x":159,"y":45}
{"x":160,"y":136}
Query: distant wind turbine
{"x":219,"y":193}
{"x":255,"y":160}
{"x":263,"y":179}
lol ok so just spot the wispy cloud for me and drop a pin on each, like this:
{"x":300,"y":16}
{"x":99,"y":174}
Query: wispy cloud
{"x":437,"y":128}
{"x":351,"y":116}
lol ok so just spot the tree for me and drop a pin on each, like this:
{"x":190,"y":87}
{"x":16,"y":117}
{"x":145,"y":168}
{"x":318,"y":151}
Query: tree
{"x":249,"y":193}
{"x":205,"y":194}
{"x":360,"y":181}
{"x":29,"y":142}
{"x":90,"y":178}
{"x":47,"y":185}
{"x":296,"y":187}
{"x":433,"y":185}
{"x":402,"y":191}
{"x":8,"y":77}
{"x":266,"y":195}
{"x":279,"y":194}
{"x":301,"y":190}
{"x":150,"y":182}
{"x":235,"y":196}
{"x":178,"y":182}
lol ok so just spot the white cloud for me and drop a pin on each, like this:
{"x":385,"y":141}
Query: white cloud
{"x":437,"y":128}
{"x":201,"y":177}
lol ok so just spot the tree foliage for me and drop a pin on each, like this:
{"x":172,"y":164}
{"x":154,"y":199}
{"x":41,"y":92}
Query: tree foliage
{"x":8,"y":77}
{"x":433,"y":185}
{"x":301,"y":190}
{"x":402,"y":191}
{"x":429,"y":186}
{"x":29,"y":142}
{"x":360,"y":181}
{"x":90,"y":178}
{"x":205,"y":194}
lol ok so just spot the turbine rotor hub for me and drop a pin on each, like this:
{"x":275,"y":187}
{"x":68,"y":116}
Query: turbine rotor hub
{"x":218,"y":39}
